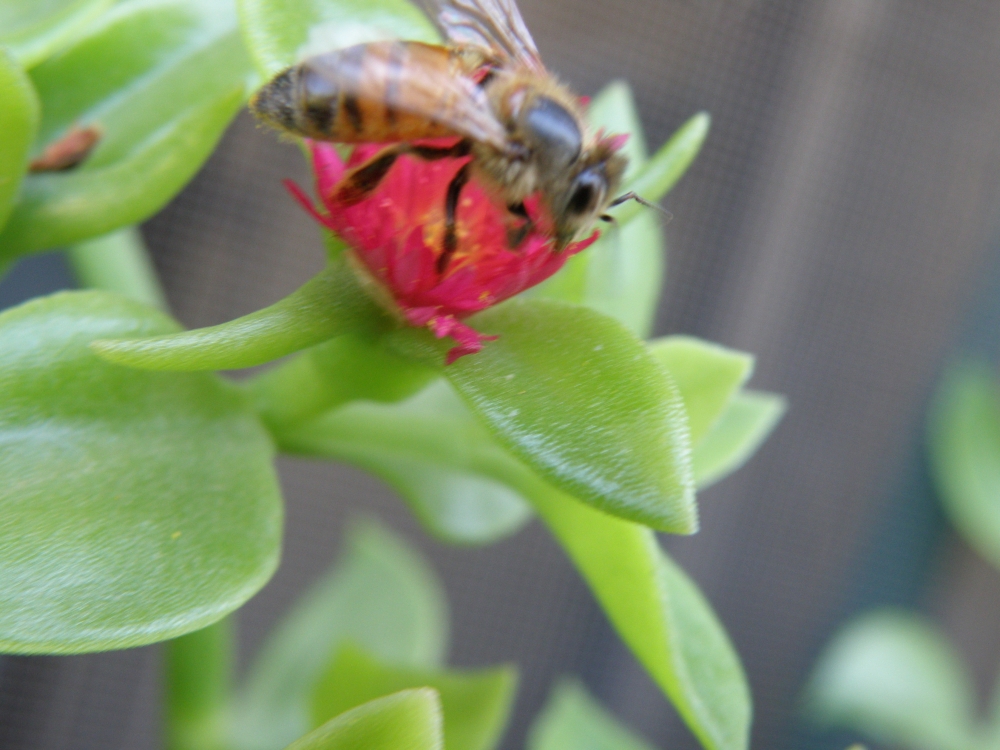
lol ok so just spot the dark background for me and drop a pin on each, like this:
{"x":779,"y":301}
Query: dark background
{"x":840,"y":223}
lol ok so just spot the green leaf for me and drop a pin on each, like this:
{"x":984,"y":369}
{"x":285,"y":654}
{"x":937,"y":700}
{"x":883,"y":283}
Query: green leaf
{"x":614,"y":110}
{"x":653,"y":605}
{"x":736,"y":436}
{"x":198,"y":672}
{"x":895,"y":678}
{"x":573,"y":719}
{"x":475,"y":703}
{"x":34,"y":29}
{"x":666,"y":167}
{"x":118,"y":262}
{"x":330,"y":304}
{"x":964,"y":438}
{"x":431,"y":452}
{"x":706,"y":374}
{"x":576,"y":396}
{"x":280,"y":33}
{"x":137,"y":506}
{"x":660,"y":614}
{"x":408,"y":720}
{"x":380,"y":594}
{"x":18,"y":123}
{"x":160,"y":80}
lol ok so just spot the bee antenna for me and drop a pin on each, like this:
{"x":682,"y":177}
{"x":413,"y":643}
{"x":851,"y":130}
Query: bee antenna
{"x":631,"y":196}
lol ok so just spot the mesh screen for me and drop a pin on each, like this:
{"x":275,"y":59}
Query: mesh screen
{"x":835,"y":224}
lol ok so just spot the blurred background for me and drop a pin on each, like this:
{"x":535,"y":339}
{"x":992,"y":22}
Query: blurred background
{"x":841,"y":223}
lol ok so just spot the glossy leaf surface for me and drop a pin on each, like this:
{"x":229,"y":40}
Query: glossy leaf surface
{"x":895,"y":678}
{"x":33,"y":29}
{"x":431,"y":452}
{"x":18,"y":124}
{"x":381,"y":594}
{"x":280,"y":33}
{"x":573,"y":719}
{"x":736,"y":435}
{"x":475,"y":703}
{"x":137,"y":506}
{"x":408,"y":720}
{"x":329,"y":304}
{"x":660,"y":614}
{"x":706,"y":374}
{"x":576,"y":396}
{"x":964,"y":440}
{"x":666,"y":166}
{"x":159,"y":80}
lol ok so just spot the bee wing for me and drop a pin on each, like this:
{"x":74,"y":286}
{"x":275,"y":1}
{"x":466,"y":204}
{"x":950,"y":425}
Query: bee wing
{"x":495,"y":25}
{"x":381,"y":92}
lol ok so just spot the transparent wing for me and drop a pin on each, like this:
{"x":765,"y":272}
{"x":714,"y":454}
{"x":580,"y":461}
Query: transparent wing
{"x":495,"y":25}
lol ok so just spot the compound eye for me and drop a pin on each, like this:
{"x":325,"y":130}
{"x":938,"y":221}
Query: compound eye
{"x":587,"y":191}
{"x":581,"y":199}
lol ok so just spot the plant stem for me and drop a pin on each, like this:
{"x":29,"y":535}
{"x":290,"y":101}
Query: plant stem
{"x":198,"y":676}
{"x":118,"y":262}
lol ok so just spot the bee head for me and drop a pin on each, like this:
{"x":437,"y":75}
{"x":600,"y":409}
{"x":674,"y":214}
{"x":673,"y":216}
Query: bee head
{"x":588,"y":191}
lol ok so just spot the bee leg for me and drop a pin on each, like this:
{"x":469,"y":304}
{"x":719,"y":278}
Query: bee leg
{"x":432,"y":153}
{"x":359,"y":183}
{"x":450,"y":210}
{"x":516,"y":235}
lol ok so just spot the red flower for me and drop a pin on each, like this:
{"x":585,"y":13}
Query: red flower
{"x":397,"y":235}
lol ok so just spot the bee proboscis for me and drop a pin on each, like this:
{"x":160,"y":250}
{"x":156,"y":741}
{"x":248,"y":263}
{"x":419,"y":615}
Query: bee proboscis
{"x":488,"y":89}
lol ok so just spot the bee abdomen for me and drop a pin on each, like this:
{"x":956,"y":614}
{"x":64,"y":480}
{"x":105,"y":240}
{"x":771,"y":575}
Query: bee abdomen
{"x":367,"y":93}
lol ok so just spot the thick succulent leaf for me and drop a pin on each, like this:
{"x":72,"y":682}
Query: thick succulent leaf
{"x":160,"y":80}
{"x":18,"y":124}
{"x":895,"y":678}
{"x":655,"y":607}
{"x":475,"y":703}
{"x":736,"y":435}
{"x":660,"y":614}
{"x":280,"y":33}
{"x":666,"y":166}
{"x":573,"y":719}
{"x":964,"y":437}
{"x":118,"y":262}
{"x":407,"y":720}
{"x":34,"y":29}
{"x":614,"y":110}
{"x":330,"y":304}
{"x":197,"y":676}
{"x":137,"y":506}
{"x":432,"y":453}
{"x":380,"y":594}
{"x":706,"y":374}
{"x":576,"y":396}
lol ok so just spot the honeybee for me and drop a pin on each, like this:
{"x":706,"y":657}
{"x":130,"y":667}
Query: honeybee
{"x":524,"y":131}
